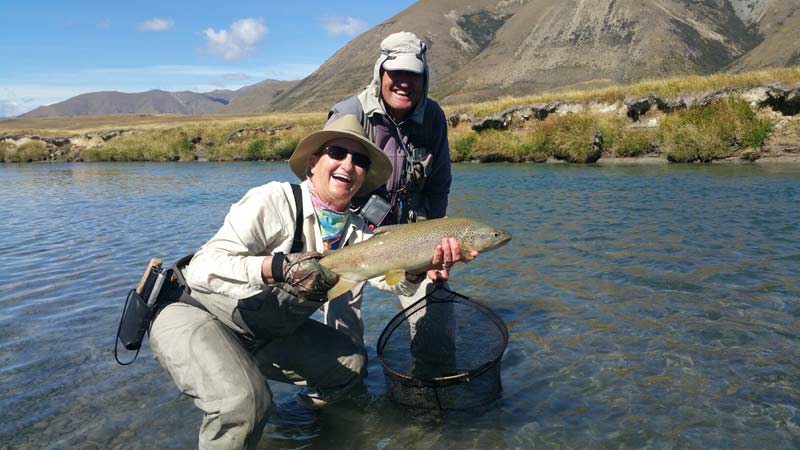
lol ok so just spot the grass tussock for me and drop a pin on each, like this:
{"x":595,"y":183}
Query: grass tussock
{"x":27,"y":152}
{"x":569,"y":137}
{"x":712,"y":132}
{"x":717,"y":131}
{"x":276,"y":147}
{"x":635,"y":142}
{"x":270,"y":138}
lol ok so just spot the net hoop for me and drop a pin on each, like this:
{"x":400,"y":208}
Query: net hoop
{"x":452,"y":297}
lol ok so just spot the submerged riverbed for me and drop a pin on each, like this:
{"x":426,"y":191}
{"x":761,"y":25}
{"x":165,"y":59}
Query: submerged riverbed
{"x":649,"y":306}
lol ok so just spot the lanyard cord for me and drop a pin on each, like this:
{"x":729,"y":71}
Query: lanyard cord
{"x":403,"y":180}
{"x":397,"y":193}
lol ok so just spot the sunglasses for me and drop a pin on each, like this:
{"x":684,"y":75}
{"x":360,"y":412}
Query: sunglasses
{"x":340,"y":153}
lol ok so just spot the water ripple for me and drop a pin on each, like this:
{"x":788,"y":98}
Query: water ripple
{"x":649,"y":307}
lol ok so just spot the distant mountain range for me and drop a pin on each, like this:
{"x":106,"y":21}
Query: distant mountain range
{"x":249,"y":99}
{"x":484,"y":49}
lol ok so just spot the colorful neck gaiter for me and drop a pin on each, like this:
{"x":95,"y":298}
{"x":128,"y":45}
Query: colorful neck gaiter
{"x":331,"y":221}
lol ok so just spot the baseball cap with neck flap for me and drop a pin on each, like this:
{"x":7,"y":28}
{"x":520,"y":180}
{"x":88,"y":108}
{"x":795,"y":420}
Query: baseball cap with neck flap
{"x":404,"y":51}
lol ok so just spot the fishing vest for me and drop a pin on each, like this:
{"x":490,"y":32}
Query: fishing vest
{"x":410,"y":204}
{"x":275,"y":311}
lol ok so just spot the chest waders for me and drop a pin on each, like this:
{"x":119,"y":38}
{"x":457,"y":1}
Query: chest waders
{"x":407,"y":201}
{"x":276,"y":311}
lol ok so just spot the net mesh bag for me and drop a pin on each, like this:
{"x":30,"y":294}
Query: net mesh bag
{"x":439,"y":364}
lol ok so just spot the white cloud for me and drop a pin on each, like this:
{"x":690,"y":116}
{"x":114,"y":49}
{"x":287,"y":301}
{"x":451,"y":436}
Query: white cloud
{"x":156,"y":24}
{"x":343,"y":26}
{"x":234,"y":44}
{"x":104,"y":24}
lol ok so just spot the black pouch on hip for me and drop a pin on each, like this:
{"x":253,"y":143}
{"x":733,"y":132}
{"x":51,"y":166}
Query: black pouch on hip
{"x":140,"y":306}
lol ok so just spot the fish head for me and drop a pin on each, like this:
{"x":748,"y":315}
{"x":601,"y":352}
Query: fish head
{"x":483,"y":237}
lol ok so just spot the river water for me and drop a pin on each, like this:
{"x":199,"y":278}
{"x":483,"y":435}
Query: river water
{"x":649,"y":306}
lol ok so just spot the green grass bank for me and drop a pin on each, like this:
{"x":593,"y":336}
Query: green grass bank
{"x":688,"y":125}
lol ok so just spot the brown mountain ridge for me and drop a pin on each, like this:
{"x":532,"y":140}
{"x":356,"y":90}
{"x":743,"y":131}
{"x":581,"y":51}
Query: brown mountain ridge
{"x":484,"y":49}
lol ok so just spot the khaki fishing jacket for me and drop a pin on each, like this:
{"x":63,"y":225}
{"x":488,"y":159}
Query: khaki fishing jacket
{"x":227,"y":268}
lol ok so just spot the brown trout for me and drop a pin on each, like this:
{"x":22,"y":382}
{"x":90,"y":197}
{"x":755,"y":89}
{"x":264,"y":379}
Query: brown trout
{"x":397,"y":249}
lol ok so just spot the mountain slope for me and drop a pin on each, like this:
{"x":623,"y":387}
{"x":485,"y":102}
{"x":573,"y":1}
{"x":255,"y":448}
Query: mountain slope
{"x":350,"y":68}
{"x":484,"y":49}
{"x":778,"y":23}
{"x":555,"y":44}
{"x":488,"y":48}
{"x":150,"y":102}
{"x":258,"y":97}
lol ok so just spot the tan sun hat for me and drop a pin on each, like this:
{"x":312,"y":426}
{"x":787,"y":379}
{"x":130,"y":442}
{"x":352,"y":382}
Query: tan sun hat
{"x":347,"y":127}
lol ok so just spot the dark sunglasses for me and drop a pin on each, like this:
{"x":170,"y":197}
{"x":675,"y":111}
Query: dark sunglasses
{"x":340,"y":153}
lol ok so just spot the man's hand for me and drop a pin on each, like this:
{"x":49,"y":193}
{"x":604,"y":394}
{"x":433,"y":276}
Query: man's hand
{"x":445,"y":255}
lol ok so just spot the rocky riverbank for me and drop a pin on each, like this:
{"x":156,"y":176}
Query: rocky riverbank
{"x":729,"y":124}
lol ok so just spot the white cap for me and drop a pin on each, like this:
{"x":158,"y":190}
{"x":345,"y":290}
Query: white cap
{"x":404,"y":51}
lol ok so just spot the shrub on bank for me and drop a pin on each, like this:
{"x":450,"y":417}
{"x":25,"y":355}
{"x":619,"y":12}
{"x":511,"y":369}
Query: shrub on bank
{"x":493,"y":146}
{"x":461,"y":144}
{"x":712,"y":132}
{"x":157,"y":145}
{"x":633,"y":142}
{"x":569,"y":137}
{"x":538,"y":144}
{"x":28,"y":152}
{"x":275,"y":147}
{"x":573,"y":138}
{"x":283,"y":144}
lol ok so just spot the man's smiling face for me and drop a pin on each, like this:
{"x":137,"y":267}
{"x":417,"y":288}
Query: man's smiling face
{"x":401,"y":92}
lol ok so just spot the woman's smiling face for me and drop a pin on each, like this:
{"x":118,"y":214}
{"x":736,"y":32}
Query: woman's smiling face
{"x":337,"y":181}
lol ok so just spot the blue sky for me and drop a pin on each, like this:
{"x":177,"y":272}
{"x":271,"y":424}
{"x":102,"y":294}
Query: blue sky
{"x":53,"y":50}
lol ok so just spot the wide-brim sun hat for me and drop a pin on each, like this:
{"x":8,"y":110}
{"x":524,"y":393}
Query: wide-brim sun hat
{"x":403,"y":51}
{"x":345,"y":127}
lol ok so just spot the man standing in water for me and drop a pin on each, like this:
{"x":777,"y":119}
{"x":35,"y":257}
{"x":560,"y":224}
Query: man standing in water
{"x":411,"y":129}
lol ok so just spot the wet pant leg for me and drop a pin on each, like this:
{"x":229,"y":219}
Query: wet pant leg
{"x":208,"y":363}
{"x":433,"y":327}
{"x":343,"y":314}
{"x":315,"y":356}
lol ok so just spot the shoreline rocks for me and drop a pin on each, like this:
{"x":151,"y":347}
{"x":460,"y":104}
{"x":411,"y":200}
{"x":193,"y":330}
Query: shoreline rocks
{"x":778,"y":98}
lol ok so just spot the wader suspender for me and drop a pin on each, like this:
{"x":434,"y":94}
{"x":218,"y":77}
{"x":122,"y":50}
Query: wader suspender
{"x":297,"y":243}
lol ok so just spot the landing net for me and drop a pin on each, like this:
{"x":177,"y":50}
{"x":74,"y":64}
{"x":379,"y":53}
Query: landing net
{"x":424,"y":370}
